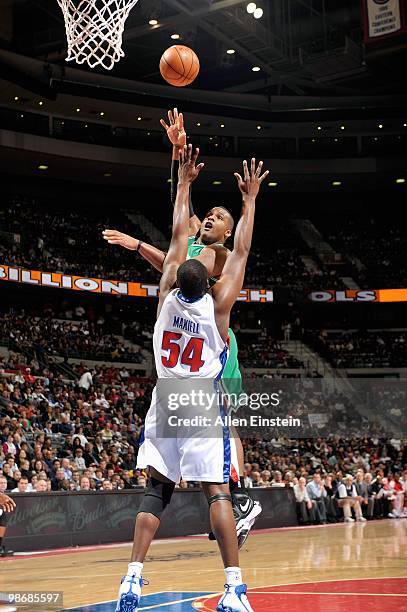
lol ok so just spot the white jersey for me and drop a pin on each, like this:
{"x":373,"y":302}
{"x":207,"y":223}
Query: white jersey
{"x":186,"y":339}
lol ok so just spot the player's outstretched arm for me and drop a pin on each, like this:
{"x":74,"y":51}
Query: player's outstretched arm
{"x":149,"y":252}
{"x":177,"y":253}
{"x":177,"y":136}
{"x":227,"y":289}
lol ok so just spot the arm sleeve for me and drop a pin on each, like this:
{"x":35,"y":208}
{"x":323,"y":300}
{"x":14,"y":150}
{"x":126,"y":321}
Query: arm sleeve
{"x":174,"y":183}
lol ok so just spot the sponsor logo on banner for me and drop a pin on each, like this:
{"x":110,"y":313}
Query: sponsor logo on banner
{"x":109,"y":287}
{"x":382,"y":18}
{"x":344,"y":296}
{"x":146,"y":290}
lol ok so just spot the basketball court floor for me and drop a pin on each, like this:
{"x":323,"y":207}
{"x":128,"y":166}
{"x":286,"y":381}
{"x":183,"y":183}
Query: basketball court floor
{"x":354,"y":567}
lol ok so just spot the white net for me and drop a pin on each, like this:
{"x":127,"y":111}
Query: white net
{"x":94,"y":30}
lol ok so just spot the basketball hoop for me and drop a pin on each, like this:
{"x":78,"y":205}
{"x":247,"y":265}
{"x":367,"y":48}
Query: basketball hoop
{"x":94,"y":30}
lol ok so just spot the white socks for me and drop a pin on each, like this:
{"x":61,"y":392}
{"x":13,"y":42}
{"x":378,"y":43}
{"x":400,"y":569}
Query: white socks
{"x":135,"y":569}
{"x":233,"y":576}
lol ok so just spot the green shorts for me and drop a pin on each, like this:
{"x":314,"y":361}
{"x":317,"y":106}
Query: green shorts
{"x":231,"y":377}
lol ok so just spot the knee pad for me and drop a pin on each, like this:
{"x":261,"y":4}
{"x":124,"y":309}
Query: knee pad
{"x":157,"y":497}
{"x":219,"y":497}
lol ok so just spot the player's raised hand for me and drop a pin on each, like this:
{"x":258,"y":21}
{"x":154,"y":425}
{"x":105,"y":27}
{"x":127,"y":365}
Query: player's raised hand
{"x":188,"y":170}
{"x":6,"y":503}
{"x":175,"y":129}
{"x":123,"y":240}
{"x":249,"y":184}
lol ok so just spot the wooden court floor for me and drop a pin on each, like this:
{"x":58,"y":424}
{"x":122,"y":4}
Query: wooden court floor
{"x":353,"y":566}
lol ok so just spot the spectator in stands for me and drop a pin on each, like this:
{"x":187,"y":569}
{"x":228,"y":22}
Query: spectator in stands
{"x":348,"y":498}
{"x":317,"y":493}
{"x":85,"y":484}
{"x":330,"y":503}
{"x":79,"y":460}
{"x":41,"y":486}
{"x":22,"y":486}
{"x":397,"y":488}
{"x":305,"y":506}
{"x":85,"y":381}
{"x":362,"y":489}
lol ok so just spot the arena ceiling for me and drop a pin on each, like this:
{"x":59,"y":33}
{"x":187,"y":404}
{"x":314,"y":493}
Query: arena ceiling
{"x":302,"y":47}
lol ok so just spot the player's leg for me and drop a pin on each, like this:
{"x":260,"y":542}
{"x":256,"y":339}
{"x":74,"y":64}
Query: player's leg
{"x":3,"y":527}
{"x":245,"y":509}
{"x":156,"y":498}
{"x":2,"y":534}
{"x":222,"y":523}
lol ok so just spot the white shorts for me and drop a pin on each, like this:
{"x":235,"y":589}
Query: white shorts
{"x":193,"y":458}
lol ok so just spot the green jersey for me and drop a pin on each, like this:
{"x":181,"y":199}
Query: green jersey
{"x":231,"y":369}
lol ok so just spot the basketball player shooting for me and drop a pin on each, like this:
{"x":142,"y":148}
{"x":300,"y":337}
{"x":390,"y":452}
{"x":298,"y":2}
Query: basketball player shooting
{"x":206,"y":243}
{"x":168,"y":458}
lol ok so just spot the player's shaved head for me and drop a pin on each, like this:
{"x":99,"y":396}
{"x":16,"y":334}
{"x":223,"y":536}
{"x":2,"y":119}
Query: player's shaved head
{"x":192,"y":279}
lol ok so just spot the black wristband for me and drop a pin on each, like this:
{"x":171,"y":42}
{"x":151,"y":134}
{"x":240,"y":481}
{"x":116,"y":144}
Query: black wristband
{"x":140,"y":242}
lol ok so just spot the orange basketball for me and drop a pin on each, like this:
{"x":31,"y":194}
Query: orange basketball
{"x":179,"y":65}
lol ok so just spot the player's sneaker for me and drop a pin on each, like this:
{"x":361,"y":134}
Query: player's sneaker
{"x":245,"y":511}
{"x":234,"y":599}
{"x":129,"y":594}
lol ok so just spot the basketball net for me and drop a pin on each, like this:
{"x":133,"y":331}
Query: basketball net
{"x":94,"y":30}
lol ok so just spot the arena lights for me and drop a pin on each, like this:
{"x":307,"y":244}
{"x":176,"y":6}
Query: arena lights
{"x":273,"y":184}
{"x":404,"y":124}
{"x":175,"y":36}
{"x":139,"y":118}
{"x":336,"y":183}
{"x":16,"y":98}
{"x":256,"y":69}
{"x":107,"y":174}
{"x":259,"y":127}
{"x":217,"y":183}
{"x":319,"y":128}
{"x":78,"y":110}
{"x":258,"y":13}
{"x":380,"y":126}
{"x":222,"y":125}
{"x":40,"y":103}
{"x":342,"y":127}
{"x":251,"y":7}
{"x":169,"y":180}
{"x":400,"y":181}
{"x":42,"y":167}
{"x":102,"y":114}
{"x":198,"y":124}
{"x":153,"y":22}
{"x":230,"y":51}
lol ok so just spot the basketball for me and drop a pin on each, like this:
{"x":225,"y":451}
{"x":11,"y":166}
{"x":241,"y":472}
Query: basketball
{"x":179,"y":66}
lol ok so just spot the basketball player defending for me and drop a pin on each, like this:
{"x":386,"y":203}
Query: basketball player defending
{"x":197,"y":350}
{"x":205,"y":243}
{"x":7,"y":505}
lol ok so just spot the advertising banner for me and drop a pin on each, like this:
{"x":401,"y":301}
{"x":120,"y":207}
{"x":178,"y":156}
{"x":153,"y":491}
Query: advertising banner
{"x":382,"y":19}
